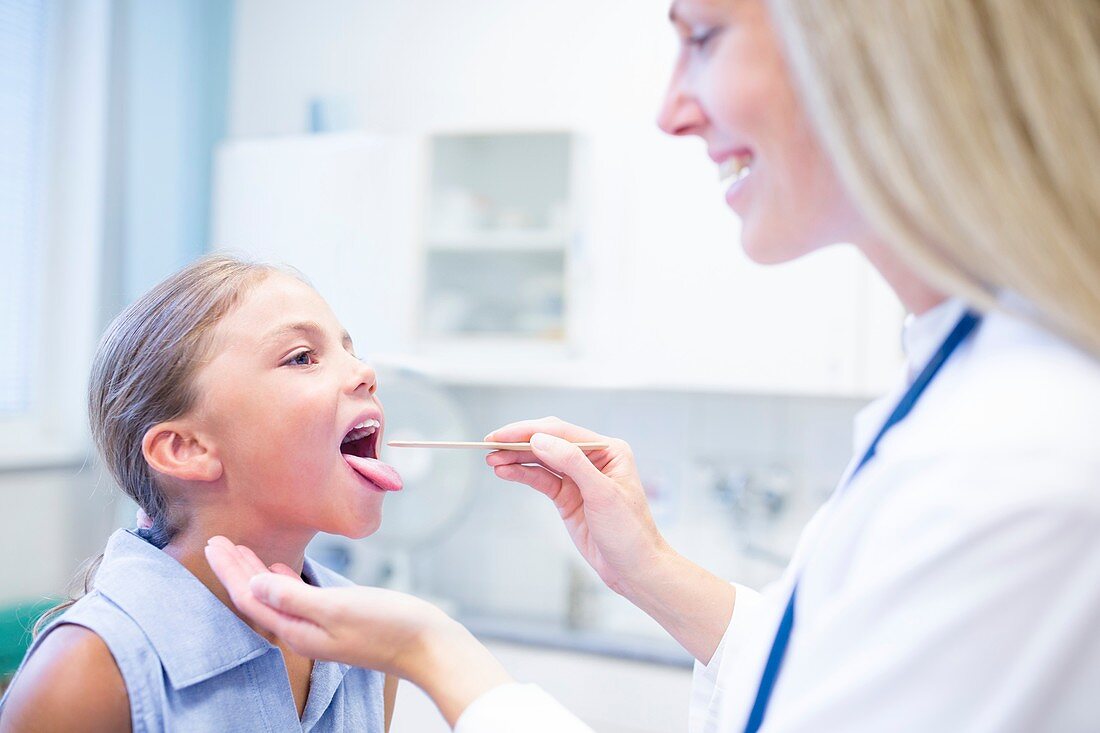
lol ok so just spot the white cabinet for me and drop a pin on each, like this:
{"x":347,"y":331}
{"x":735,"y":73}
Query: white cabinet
{"x":631,"y":269}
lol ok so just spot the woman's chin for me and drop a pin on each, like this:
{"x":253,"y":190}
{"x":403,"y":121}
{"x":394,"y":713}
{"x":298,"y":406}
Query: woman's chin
{"x":766,"y":246}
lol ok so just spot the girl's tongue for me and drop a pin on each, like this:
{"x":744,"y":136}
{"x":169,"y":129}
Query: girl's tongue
{"x":382,"y":475}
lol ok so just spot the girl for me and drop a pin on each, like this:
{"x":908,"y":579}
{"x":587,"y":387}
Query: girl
{"x":227,"y":400}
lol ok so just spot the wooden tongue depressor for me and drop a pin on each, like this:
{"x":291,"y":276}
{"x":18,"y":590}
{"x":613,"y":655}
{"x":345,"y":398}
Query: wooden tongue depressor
{"x":480,"y":445}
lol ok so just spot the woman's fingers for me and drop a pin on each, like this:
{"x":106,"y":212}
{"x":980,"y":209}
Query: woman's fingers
{"x":251,"y":560}
{"x":226,"y":561}
{"x":537,"y":477}
{"x":290,"y":596}
{"x":520,"y":432}
{"x":566,"y":459}
{"x":219,"y":540}
{"x":303,"y":636}
{"x":286,"y":570}
{"x":235,"y":571}
{"x":502,"y":457}
{"x":235,"y":575}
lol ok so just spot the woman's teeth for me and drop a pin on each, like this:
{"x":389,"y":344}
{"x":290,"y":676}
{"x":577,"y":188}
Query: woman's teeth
{"x":735,"y":168}
{"x":361,"y":430}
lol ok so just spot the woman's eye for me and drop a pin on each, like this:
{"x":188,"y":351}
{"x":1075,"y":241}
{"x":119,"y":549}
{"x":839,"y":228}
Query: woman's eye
{"x":699,"y":41}
{"x":302,"y":358}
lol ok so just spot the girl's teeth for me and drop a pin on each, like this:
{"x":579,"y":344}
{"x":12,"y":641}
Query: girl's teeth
{"x":362,"y":429}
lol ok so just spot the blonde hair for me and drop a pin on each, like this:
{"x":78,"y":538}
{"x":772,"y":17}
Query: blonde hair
{"x":143,"y":373}
{"x":968,"y":132}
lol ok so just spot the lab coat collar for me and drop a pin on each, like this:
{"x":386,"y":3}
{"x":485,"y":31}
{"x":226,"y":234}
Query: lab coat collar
{"x":921,"y":336}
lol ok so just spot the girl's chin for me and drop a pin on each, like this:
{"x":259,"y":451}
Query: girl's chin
{"x":363,"y":530}
{"x":359,"y":522}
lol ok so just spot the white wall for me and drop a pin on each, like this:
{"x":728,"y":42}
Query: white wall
{"x":51,"y":521}
{"x":579,"y":64}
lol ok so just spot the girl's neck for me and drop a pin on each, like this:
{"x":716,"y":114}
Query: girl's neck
{"x":187,"y":547}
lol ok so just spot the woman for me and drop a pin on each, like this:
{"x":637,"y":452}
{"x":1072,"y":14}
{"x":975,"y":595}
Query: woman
{"x":950,"y":582}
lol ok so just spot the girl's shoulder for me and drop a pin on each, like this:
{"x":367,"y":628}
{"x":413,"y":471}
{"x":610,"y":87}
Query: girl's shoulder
{"x":70,"y":679}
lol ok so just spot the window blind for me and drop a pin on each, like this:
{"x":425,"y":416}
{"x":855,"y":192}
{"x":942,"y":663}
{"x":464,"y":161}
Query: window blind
{"x":22,"y":168}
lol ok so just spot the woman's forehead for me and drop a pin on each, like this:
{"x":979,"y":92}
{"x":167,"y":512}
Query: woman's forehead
{"x":684,"y":12}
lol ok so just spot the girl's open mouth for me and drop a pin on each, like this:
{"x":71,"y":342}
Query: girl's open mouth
{"x":360,"y":450}
{"x":362,"y":440}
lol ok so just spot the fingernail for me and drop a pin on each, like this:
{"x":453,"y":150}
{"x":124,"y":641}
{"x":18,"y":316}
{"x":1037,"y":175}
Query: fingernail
{"x":487,"y":437}
{"x":541,"y":441}
{"x":261,"y":588}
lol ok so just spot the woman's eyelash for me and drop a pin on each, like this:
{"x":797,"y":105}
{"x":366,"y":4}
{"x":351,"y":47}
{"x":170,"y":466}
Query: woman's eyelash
{"x":700,"y":40}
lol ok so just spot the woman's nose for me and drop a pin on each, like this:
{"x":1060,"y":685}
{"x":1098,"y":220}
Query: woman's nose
{"x":680,"y":113}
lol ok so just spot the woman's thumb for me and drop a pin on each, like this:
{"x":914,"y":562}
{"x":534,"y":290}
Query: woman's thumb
{"x":288,"y":595}
{"x":565,"y":458}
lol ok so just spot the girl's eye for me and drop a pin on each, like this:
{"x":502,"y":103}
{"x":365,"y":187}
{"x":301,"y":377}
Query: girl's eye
{"x":302,"y":358}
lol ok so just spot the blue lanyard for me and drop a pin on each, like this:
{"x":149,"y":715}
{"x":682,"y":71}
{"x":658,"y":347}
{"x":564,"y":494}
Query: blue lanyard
{"x":958,"y":334}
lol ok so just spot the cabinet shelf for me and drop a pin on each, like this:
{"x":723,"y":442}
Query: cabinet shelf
{"x":518,"y":240}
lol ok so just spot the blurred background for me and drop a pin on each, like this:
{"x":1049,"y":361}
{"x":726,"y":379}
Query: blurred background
{"x":480,"y":191}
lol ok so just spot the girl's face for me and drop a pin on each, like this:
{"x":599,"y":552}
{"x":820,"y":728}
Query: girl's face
{"x":732,"y":88}
{"x":281,"y":393}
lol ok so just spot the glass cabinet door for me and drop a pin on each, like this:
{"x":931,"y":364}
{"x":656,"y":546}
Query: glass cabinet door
{"x":499,"y":221}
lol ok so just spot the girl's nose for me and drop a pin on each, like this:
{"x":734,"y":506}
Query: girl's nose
{"x":363,"y":376}
{"x":680,"y":113}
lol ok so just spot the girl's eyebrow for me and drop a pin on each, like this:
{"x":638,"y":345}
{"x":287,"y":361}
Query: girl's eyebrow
{"x":307,"y":328}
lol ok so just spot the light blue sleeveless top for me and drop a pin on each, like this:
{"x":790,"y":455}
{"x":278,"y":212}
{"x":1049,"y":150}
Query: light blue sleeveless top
{"x":190,"y":664}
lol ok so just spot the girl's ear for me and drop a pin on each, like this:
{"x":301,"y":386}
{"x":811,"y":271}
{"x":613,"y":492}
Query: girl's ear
{"x":174,"y":449}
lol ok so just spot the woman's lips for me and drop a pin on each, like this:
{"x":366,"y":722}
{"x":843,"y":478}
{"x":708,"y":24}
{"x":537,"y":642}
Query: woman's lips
{"x":736,"y":170}
{"x":382,"y":475}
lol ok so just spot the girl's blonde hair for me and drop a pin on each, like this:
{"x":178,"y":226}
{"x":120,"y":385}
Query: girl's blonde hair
{"x":143,"y":373}
{"x":968,"y":132}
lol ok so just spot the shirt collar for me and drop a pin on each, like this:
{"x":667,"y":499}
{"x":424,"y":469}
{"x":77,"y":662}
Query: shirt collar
{"x":195,"y":635}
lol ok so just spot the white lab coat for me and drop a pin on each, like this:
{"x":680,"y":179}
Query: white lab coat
{"x":954,"y":584}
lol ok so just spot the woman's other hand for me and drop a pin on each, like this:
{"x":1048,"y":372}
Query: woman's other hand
{"x":373,"y":628}
{"x":598,"y":495}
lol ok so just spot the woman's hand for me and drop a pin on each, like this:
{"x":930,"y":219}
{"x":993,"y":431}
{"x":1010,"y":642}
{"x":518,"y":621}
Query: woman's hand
{"x":374,"y":628}
{"x":598,"y":495}
{"x":600,"y":498}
